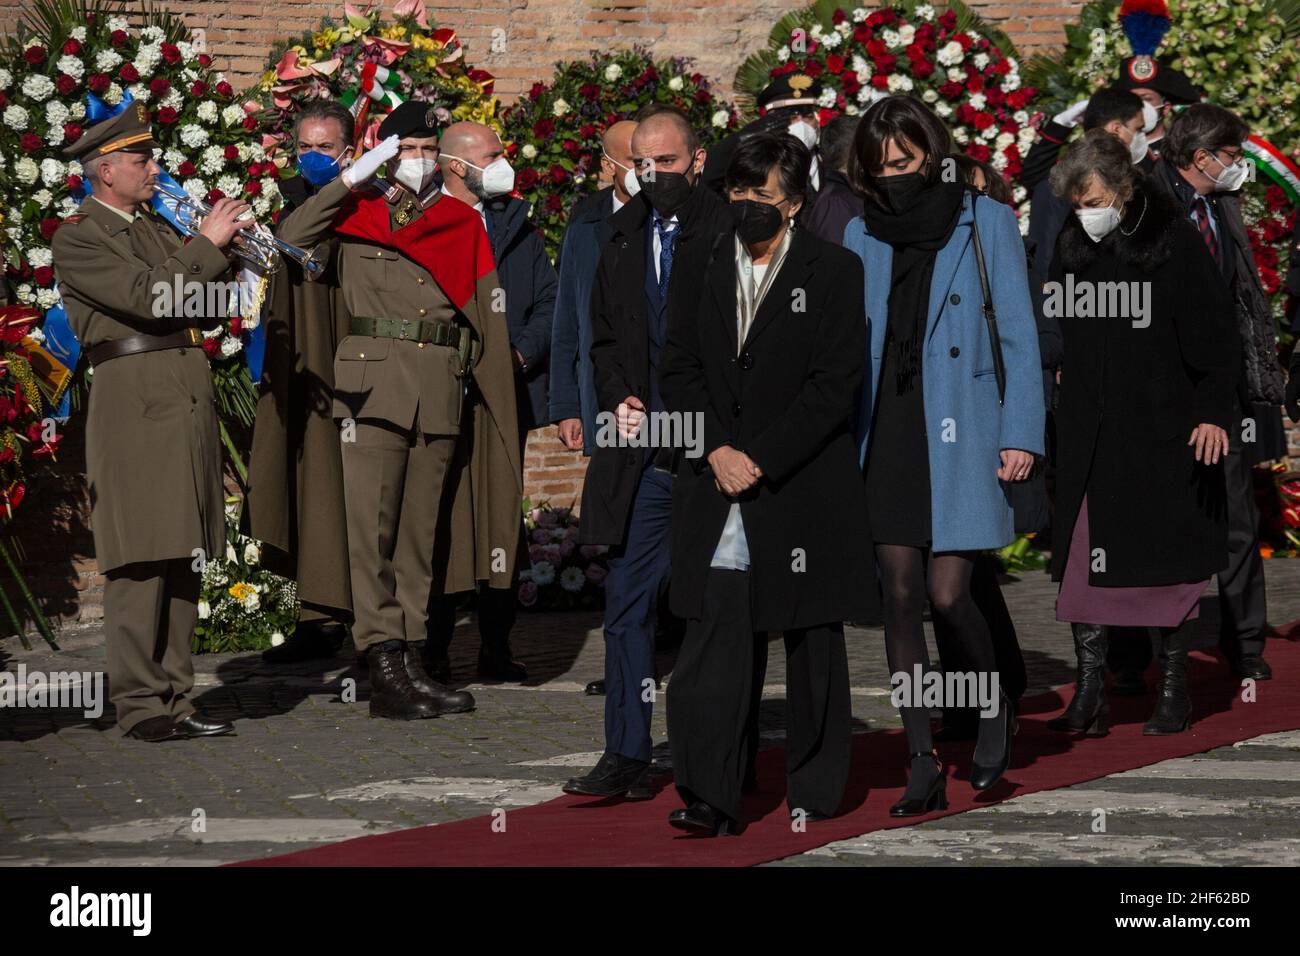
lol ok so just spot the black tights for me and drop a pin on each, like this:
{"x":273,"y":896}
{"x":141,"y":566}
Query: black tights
{"x":904,"y":579}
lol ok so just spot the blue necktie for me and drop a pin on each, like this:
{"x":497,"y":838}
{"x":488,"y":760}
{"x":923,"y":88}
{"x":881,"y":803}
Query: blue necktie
{"x":667,"y":236}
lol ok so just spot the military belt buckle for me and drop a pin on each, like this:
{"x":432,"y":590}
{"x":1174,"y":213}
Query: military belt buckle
{"x":194,"y":336}
{"x":403,"y":329}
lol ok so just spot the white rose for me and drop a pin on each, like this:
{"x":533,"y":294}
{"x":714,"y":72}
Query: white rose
{"x":529,"y":151}
{"x":924,"y":12}
{"x":843,"y":28}
{"x":26,"y":170}
{"x":989,"y":132}
{"x":943,"y":109}
{"x":613,"y":72}
{"x":15,"y":117}
{"x":960,"y":135}
{"x":783,"y":54}
{"x":26,"y":294}
{"x":897,"y":82}
{"x":251,"y":553}
{"x":956,"y":76}
{"x":850,"y":109}
{"x":38,"y":87}
{"x":828,"y":97}
{"x":559,"y":107}
{"x":929,"y":96}
{"x":107,"y":60}
{"x":831,"y":40}
{"x":978,"y":101}
{"x":1004,"y":140}
{"x":675,"y":83}
{"x":1021,"y":117}
{"x":205,"y":610}
{"x":906,"y":34}
{"x":37,"y":336}
{"x":999,"y":161}
{"x":720,"y":119}
{"x":981,"y":60}
{"x":859,"y":14}
{"x":1019,"y":193}
{"x":117,"y":23}
{"x":1011,"y":82}
{"x":951,"y":53}
{"x":71,"y":66}
{"x":276,"y":639}
{"x":892,"y":39}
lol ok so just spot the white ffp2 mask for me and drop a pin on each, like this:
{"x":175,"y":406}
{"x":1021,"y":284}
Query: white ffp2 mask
{"x":415,"y":174}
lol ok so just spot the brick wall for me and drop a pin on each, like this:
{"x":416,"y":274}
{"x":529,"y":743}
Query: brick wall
{"x":717,"y":34}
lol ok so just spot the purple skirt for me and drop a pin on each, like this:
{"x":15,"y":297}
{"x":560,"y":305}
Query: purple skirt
{"x":1166,"y":605}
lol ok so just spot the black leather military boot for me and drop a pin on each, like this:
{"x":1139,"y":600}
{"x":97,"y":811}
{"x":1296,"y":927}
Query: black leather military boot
{"x":449,"y":701}
{"x":392,"y":694}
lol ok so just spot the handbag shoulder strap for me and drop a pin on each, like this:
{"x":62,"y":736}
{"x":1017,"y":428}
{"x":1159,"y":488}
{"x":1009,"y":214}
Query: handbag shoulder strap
{"x":990,"y":313}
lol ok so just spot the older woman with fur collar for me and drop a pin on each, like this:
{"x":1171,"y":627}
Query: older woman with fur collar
{"x":1151,"y":357}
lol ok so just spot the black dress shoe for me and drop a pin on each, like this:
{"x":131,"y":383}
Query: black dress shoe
{"x":984,"y":776}
{"x":500,"y":667}
{"x":1252,"y":666}
{"x":595,"y":689}
{"x":927,"y":787}
{"x":155,"y":730}
{"x":308,"y":642}
{"x":449,"y":701}
{"x":642,"y":788}
{"x":699,"y":817}
{"x":613,"y":776}
{"x":809,"y":816}
{"x":199,"y":724}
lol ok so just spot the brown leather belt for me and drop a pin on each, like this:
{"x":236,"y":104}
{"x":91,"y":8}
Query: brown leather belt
{"x":135,"y":344}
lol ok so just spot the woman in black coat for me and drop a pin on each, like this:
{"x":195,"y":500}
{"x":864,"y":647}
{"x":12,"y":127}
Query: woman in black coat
{"x":1151,"y":359}
{"x":766,"y":350}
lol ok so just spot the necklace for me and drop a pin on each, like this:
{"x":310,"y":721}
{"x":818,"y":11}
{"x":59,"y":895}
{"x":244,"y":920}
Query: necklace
{"x":1139,"y":222}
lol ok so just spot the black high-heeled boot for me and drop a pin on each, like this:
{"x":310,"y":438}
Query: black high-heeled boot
{"x":1174,"y":705}
{"x":927,"y":787}
{"x":985,"y":775}
{"x":1089,"y":711}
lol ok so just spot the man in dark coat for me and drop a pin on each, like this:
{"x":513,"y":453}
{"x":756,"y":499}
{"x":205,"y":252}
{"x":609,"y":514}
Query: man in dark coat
{"x":294,"y":504}
{"x":573,"y":380}
{"x":836,"y":204}
{"x":627,"y":495}
{"x":767,"y":350}
{"x":476,"y":172}
{"x":1200,"y":170}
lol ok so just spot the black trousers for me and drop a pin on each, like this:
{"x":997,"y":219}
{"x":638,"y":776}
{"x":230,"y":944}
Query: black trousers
{"x":497,"y":608}
{"x":1243,"y":605}
{"x":987,"y":595}
{"x":713,"y":699}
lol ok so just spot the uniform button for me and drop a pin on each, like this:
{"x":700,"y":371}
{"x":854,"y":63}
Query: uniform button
{"x":421,"y":345}
{"x":955,"y":299}
{"x":193,"y":400}
{"x":746,"y":361}
{"x":195,"y":267}
{"x":379,"y":255}
{"x":424,"y":311}
{"x":362,"y":355}
{"x":419,"y":281}
{"x":954,"y":351}
{"x":735,"y":408}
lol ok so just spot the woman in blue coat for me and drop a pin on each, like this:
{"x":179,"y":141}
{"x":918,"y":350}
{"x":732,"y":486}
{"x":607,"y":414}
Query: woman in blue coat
{"x":937,"y":443}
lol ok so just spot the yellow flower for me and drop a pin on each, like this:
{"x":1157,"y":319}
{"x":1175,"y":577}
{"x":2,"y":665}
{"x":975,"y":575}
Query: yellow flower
{"x":395,"y":32}
{"x":269,"y":79}
{"x":431,"y":62}
{"x":421,"y":42}
{"x":240,"y":591}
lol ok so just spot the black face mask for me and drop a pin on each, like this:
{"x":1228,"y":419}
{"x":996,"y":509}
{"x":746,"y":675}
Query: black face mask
{"x":756,"y":221}
{"x":899,"y":193}
{"x":666,"y":192}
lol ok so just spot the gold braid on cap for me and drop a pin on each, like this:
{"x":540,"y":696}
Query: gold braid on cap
{"x":124,"y":142}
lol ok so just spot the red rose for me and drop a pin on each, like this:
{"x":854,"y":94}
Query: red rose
{"x":982,"y":120}
{"x":199,"y":88}
{"x":537,"y":90}
{"x":951,"y":90}
{"x":214,"y":194}
{"x":231,"y":152}
{"x":554,"y":204}
{"x":159,"y":86}
{"x":861,"y":33}
{"x":118,"y":38}
{"x":210,"y":348}
{"x":880,"y":81}
{"x":128,"y":73}
{"x":978,"y":151}
{"x":187,"y":169}
{"x":886,"y":63}
{"x":253,"y":187}
{"x":948,"y":20}
{"x":72,"y":46}
{"x":205,"y":60}
{"x":850,"y":83}
{"x":236,"y":326}
{"x":1017,"y":99}
{"x":835,"y":62}
{"x":31,"y":142}
{"x":915,"y":52}
{"x":587,"y":130}
{"x":558,"y":174}
{"x":876,"y":48}
{"x":73,"y":183}
{"x":838,"y":17}
{"x":975,"y":84}
{"x":35,"y":55}
{"x":994,"y":96}
{"x":71,"y":132}
{"x":171,"y":53}
{"x":881,"y":17}
{"x":65,"y":84}
{"x":525,"y":179}
{"x":543,"y":129}
{"x":249,"y":123}
{"x":48,"y":227}
{"x":166,"y":115}
{"x":922,"y":69}
{"x":702,"y":96}
{"x":1002,"y":67}
{"x":98,"y":82}
{"x":225,"y":89}
{"x":588,"y":91}
{"x":571,"y":147}
{"x":44,"y":275}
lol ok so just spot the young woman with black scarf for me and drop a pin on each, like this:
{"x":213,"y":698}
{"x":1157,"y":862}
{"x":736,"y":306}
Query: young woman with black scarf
{"x":953,"y":410}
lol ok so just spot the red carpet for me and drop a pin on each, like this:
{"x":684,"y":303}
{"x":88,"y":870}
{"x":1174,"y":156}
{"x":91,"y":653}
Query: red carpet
{"x":579,"y":831}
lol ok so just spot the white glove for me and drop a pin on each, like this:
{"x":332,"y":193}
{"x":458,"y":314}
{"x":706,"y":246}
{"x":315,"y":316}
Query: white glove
{"x":1071,"y":116}
{"x":368,"y":164}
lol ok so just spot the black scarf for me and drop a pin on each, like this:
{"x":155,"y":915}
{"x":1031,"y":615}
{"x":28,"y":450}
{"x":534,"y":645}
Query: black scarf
{"x":916,"y":233}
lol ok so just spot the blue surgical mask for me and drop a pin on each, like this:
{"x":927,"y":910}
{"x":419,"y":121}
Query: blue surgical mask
{"x":318,"y":168}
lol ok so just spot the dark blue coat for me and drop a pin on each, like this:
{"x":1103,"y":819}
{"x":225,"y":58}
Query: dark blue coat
{"x":530,"y":284}
{"x":573,"y":381}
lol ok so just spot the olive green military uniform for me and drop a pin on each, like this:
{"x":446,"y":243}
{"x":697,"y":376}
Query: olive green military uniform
{"x":153,"y":456}
{"x":398,"y":405}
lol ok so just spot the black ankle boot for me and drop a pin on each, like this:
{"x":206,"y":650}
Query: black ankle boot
{"x":392,"y":694}
{"x":1089,"y":711}
{"x":1174,"y":705}
{"x":927,"y":787}
{"x":449,"y":701}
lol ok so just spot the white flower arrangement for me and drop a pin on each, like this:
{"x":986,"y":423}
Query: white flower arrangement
{"x":70,"y":65}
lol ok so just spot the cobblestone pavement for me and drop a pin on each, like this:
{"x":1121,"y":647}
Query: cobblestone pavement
{"x":306,"y":768}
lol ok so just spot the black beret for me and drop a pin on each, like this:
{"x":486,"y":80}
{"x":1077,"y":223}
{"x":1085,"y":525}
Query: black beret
{"x":412,"y":118}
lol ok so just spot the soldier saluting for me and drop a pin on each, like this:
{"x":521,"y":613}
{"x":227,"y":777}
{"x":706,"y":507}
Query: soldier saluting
{"x":415,"y":282}
{"x":153,"y":457}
